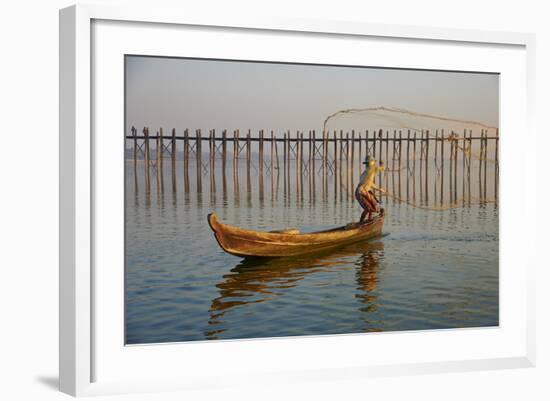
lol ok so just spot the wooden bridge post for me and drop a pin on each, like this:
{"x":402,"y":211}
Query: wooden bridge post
{"x":312,"y":162}
{"x":414,"y":167}
{"x":464,"y":166}
{"x":497,"y":166}
{"x":146,"y":156}
{"x":248,"y":152}
{"x":399,"y":163}
{"x":301,"y":157}
{"x":421,"y":162}
{"x":451,"y":153}
{"x":393,"y":153}
{"x":336,"y":165}
{"x":408,"y":175}
{"x":261,"y":152}
{"x":380,"y":157}
{"x":470,"y":168}
{"x":248,"y":161}
{"x":160,"y":178}
{"x":438,"y":173}
{"x":224,"y":148}
{"x":480,"y":164}
{"x":360,"y":143}
{"x":186,"y":160}
{"x":133,"y":130}
{"x":387,"y":158}
{"x":442,"y":162}
{"x":173,"y":158}
{"x":485,"y":146}
{"x":198,"y":157}
{"x":352,"y":161}
{"x":236,"y":152}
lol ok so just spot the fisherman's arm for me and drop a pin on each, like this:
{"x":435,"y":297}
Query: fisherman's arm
{"x":375,"y":187}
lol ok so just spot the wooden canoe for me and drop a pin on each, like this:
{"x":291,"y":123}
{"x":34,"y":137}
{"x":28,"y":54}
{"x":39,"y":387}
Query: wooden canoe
{"x":250,"y":243}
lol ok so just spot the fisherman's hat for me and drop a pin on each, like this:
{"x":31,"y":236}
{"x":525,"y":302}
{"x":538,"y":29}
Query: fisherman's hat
{"x":368,"y":159}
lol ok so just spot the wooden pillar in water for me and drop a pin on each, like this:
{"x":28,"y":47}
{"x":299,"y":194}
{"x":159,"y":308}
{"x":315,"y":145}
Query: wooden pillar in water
{"x":186,"y":160}
{"x":352,"y":161}
{"x":393,"y":153}
{"x":414,"y":167}
{"x":335,"y":165}
{"x":173,"y":158}
{"x":480,"y":164}
{"x":160,"y":179}
{"x":463,"y":154}
{"x":314,"y":149}
{"x":134,"y":135}
{"x":133,"y":130}
{"x":373,"y":144}
{"x":312,"y":166}
{"x":359,"y":158}
{"x":408,"y":160}
{"x":198,"y":157}
{"x":341,"y":163}
{"x":325,"y":162}
{"x":309,"y":164}
{"x":212,"y":161}
{"x":272,"y":151}
{"x":261,"y":165}
{"x":380,"y":157}
{"x":224,"y":159}
{"x":427,"y":197}
{"x":485,"y":146}
{"x":451,"y":153}
{"x":348,"y":172}
{"x":248,"y":154}
{"x":387,"y":158}
{"x":442,"y":163}
{"x":456,"y":169}
{"x":496,"y":165}
{"x":470,"y":168}
{"x":301,"y":157}
{"x":224,"y":148}
{"x":236,"y":152}
{"x":298,"y":164}
{"x":421,"y":162}
{"x":284,"y":163}
{"x":146,"y":157}
{"x":261,"y":152}
{"x":436,"y":174}
{"x":399,"y":163}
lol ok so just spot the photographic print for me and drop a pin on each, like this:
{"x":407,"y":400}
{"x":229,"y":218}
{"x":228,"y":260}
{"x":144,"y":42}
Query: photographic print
{"x":269,"y":199}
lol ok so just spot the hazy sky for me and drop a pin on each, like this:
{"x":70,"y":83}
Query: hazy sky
{"x":206,"y":94}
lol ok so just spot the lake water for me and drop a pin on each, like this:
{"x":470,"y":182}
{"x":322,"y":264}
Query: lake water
{"x":431,"y":270}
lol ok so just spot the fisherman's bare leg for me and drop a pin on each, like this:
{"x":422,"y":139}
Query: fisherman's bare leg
{"x":363,"y":216}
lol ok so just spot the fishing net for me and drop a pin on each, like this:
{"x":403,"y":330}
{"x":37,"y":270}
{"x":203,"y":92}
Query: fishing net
{"x":432,"y":162}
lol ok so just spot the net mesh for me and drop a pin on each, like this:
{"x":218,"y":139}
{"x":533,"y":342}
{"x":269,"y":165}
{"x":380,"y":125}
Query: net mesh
{"x":432,"y":162}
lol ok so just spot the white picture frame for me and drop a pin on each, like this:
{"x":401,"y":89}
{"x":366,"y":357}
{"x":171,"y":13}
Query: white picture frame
{"x":82,"y":342}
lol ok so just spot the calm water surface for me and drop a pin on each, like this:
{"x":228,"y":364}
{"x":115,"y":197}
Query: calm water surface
{"x":432,"y":270}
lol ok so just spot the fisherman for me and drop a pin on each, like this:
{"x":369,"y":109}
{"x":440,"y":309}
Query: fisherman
{"x":364,"y":193}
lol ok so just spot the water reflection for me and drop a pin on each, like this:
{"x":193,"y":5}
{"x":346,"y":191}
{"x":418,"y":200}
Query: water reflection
{"x":254,"y":281}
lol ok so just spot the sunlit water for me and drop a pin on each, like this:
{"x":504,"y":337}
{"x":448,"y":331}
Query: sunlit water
{"x":433,"y":269}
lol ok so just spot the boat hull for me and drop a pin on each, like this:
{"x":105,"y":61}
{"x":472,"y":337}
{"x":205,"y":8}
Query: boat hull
{"x":250,"y":243}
